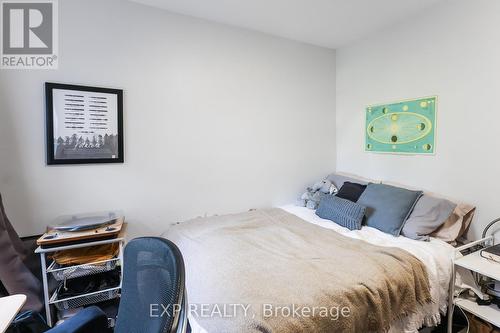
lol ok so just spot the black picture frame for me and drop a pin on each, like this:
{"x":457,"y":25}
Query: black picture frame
{"x":76,"y":155}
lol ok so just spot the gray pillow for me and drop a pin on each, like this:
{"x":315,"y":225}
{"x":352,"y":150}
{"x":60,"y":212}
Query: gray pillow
{"x":339,"y":180}
{"x":341,"y":211}
{"x":388,"y":207}
{"x":429,"y":214}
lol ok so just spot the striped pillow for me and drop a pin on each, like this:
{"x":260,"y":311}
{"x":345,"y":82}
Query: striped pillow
{"x":341,"y":211}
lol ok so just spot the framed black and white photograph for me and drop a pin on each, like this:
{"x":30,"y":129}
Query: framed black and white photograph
{"x":84,"y":124}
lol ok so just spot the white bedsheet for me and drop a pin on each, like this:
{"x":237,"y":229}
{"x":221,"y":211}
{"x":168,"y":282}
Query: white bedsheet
{"x":436,"y":255}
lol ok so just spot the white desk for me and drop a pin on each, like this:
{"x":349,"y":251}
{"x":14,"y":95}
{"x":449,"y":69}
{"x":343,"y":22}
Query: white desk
{"x":475,"y":263}
{"x":10,"y":306}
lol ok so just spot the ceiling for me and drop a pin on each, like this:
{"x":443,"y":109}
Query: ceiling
{"x":327,"y":23}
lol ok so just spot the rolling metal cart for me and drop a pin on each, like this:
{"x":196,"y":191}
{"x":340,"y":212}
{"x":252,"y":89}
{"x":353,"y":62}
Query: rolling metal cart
{"x":51,"y":270}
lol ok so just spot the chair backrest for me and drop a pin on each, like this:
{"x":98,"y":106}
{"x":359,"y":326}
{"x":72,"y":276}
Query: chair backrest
{"x":152,"y":288}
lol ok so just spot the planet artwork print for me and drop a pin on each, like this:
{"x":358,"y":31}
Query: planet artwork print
{"x":406,"y":127}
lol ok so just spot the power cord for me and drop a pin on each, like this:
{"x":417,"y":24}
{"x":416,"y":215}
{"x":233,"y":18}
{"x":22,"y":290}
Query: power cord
{"x":489,"y":226}
{"x":458,"y":306}
{"x":466,"y":318}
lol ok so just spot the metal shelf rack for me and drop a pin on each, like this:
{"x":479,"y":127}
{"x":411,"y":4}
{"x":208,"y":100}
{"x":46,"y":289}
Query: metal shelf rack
{"x":50,"y":270}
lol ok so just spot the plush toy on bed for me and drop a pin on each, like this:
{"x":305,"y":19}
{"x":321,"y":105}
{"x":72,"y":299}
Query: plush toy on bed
{"x":312,"y":195}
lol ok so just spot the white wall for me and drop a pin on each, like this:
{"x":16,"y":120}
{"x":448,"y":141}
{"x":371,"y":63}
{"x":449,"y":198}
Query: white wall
{"x":452,"y":51}
{"x":217,"y":119}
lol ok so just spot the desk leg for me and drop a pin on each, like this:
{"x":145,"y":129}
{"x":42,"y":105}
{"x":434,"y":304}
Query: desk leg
{"x":451,"y":296}
{"x":45,"y":289}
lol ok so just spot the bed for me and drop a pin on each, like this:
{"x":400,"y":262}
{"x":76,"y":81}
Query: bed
{"x":219,"y":272}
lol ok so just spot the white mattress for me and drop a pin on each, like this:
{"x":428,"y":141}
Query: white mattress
{"x":436,"y":255}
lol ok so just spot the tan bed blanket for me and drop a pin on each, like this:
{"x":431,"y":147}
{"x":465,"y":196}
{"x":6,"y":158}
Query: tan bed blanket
{"x":270,"y":271}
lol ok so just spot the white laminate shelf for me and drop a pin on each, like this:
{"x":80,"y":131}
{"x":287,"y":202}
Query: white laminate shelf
{"x":476,"y":263}
{"x":490,"y":313}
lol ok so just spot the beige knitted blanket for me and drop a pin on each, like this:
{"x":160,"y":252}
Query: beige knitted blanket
{"x":270,"y":271}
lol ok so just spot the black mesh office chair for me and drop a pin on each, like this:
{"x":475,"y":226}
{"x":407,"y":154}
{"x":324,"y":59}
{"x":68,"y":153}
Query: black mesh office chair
{"x":153,"y":298}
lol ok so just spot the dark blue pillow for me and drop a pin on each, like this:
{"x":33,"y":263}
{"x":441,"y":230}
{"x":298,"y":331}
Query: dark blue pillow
{"x":351,"y":191}
{"x":388,"y":207}
{"x":341,"y":211}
